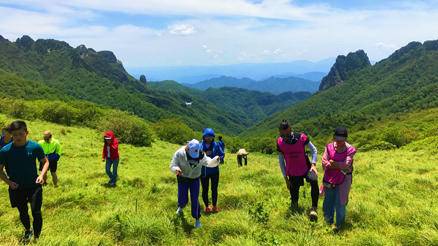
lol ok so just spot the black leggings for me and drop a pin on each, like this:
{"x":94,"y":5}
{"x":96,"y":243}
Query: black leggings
{"x":214,"y":184}
{"x":296,"y":183}
{"x":35,"y":197}
{"x":239,"y":160}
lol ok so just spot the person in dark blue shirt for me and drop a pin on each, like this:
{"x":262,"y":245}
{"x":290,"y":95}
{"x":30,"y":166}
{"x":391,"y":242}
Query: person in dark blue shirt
{"x":6,"y":137}
{"x":211,"y":149}
{"x":25,"y":185}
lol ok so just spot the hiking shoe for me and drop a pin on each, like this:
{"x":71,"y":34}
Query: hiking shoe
{"x":198,"y":223}
{"x":293,"y":207}
{"x":313,"y":215}
{"x":208,"y":210}
{"x":179,"y":211}
{"x":216,"y":209}
{"x":26,"y":237}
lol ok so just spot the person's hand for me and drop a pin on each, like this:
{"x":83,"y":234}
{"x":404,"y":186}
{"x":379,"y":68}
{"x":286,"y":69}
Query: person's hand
{"x":333,"y":164}
{"x":103,"y":160}
{"x":13,"y":185}
{"x":178,"y":173}
{"x":40,"y":180}
{"x":313,"y":168}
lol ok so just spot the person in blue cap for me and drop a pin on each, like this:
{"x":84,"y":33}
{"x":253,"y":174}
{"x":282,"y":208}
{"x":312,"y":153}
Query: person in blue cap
{"x":186,"y":164}
{"x":211,"y":149}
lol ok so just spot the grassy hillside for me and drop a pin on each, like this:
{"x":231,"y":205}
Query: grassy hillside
{"x":407,"y":81}
{"x":58,"y":71}
{"x":391,"y":201}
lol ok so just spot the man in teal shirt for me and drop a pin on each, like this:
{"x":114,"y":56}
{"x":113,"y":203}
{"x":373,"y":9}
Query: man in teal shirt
{"x":25,"y":185}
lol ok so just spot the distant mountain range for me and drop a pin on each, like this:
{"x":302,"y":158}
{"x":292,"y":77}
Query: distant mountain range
{"x":256,"y":71}
{"x":273,"y":85}
{"x":356,"y":93}
{"x":51,"y":69}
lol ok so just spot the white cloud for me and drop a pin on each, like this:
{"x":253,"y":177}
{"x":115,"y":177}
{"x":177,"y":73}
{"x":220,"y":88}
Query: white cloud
{"x":181,"y":29}
{"x":312,"y":32}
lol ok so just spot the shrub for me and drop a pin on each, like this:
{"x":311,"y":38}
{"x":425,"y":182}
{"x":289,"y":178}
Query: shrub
{"x":127,"y":128}
{"x":264,"y":145}
{"x":60,"y":112}
{"x":379,"y":145}
{"x":173,"y":131}
{"x":399,"y":137}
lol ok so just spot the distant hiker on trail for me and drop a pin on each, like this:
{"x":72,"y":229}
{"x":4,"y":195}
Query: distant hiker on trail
{"x":52,"y":150}
{"x":242,"y":154}
{"x":296,"y":166}
{"x":110,"y":154}
{"x":186,"y":164}
{"x":211,"y":149}
{"x":337,"y":163}
{"x":25,"y":186}
{"x":6,"y":137}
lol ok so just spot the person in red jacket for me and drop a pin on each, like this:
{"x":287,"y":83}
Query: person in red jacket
{"x":110,"y":154}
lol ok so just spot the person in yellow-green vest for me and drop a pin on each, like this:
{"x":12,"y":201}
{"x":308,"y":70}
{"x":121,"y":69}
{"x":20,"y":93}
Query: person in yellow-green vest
{"x":52,"y":150}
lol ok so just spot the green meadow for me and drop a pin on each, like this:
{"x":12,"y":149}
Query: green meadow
{"x":393,"y":199}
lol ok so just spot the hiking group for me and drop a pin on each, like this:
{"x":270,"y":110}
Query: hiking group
{"x":199,"y":162}
{"x":195,"y":165}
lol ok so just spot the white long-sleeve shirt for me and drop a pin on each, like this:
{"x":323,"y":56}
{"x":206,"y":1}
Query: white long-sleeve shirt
{"x":190,"y":168}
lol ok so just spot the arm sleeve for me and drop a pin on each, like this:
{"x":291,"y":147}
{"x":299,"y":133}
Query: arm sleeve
{"x":219,"y":151}
{"x":39,"y":152}
{"x":325,"y":159}
{"x":174,"y":163}
{"x":282,"y":164}
{"x":2,"y":158}
{"x":58,"y":149}
{"x":314,"y":152}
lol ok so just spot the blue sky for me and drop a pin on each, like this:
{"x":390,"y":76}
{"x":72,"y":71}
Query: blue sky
{"x":213,"y":32}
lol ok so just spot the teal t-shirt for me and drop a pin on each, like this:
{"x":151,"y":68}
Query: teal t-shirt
{"x":20,"y":162}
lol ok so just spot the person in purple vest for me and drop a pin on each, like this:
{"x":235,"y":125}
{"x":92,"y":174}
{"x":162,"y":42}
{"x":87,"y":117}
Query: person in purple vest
{"x":337,"y":162}
{"x":296,"y":166}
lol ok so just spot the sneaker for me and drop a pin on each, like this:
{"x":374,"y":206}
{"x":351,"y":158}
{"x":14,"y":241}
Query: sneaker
{"x":207,"y":210}
{"x":335,"y":229}
{"x":26,"y":237}
{"x":198,"y":223}
{"x":293,"y":207}
{"x":179,"y":211}
{"x":313,"y":215}
{"x":216,"y":209}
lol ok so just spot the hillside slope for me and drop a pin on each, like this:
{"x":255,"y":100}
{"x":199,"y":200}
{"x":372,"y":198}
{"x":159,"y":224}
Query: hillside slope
{"x":407,"y":81}
{"x":390,"y":201}
{"x":57,"y":70}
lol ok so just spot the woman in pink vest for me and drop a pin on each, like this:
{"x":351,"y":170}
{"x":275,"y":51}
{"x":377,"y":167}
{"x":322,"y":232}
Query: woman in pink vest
{"x":295,"y":165}
{"x":337,"y":163}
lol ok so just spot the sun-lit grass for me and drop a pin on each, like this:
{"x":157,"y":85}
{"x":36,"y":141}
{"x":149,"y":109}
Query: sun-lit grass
{"x":392,"y":202}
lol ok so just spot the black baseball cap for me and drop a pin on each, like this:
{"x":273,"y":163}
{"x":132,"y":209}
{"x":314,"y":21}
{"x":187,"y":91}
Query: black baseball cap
{"x":341,"y":133}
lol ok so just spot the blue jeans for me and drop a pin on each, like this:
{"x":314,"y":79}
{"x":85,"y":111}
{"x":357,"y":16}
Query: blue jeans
{"x":112,"y":175}
{"x":184,"y":185}
{"x":331,"y":203}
